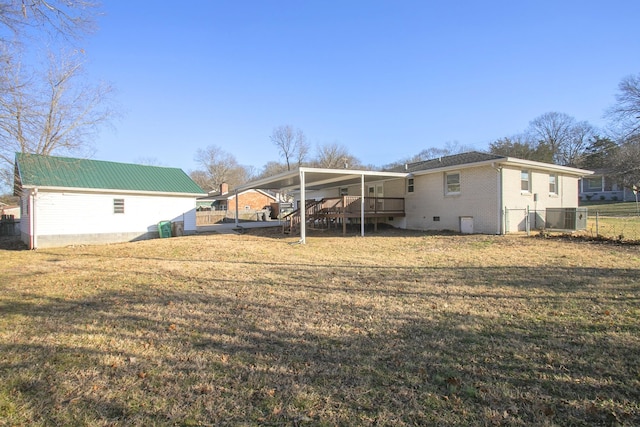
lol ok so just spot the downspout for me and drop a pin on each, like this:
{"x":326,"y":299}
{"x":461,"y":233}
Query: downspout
{"x":499,"y":180}
{"x":34,"y":236}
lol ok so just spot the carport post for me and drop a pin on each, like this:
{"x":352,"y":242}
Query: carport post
{"x":303,"y":210}
{"x":362,"y":205}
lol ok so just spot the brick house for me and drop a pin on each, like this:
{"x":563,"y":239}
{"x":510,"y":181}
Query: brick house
{"x":470,"y":192}
{"x":223,"y":200}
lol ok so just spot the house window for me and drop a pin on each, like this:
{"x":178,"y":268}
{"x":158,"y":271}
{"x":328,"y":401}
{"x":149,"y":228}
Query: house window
{"x":593,"y":184}
{"x":118,"y":206}
{"x":553,"y":184}
{"x":344,"y":191}
{"x":525,"y":181}
{"x":410,"y":185}
{"x":452,"y":183}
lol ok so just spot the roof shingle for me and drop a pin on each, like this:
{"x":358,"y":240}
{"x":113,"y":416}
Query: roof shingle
{"x":448,"y":161}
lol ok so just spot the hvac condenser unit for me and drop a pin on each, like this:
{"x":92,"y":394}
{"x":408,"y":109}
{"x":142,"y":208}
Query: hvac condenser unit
{"x":566,"y":219}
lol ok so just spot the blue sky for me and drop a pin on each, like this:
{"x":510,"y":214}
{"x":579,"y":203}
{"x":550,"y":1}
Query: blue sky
{"x":386,"y":79}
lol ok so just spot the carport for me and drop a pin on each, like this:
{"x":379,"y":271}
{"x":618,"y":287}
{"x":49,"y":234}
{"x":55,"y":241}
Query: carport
{"x":308,"y":179}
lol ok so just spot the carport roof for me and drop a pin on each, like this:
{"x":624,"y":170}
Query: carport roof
{"x":318,"y":178}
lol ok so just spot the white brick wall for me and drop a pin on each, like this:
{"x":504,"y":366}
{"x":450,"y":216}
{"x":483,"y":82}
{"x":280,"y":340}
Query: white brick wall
{"x":477,"y":199}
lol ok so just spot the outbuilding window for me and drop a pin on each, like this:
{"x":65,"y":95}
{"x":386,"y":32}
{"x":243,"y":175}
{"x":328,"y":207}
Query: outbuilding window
{"x":118,"y":206}
{"x":553,"y":184}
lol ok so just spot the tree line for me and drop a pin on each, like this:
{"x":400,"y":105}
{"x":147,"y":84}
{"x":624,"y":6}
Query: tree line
{"x":552,"y":137}
{"x":216,"y":166}
{"x":50,"y":108}
{"x":560,"y":139}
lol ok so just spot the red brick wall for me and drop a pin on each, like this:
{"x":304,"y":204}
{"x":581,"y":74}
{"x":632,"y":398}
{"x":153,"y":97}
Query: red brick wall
{"x":254,"y":199}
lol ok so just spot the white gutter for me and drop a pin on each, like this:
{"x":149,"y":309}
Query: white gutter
{"x":509,"y":161}
{"x":112,"y":191}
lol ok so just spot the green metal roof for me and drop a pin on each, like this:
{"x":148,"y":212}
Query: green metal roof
{"x":48,"y":171}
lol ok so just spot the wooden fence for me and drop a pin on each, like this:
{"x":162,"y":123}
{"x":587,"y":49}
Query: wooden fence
{"x":219,"y":217}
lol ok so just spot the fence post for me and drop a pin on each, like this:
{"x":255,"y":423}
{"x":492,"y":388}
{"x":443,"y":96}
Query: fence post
{"x":527,"y":222}
{"x":597,"y":225}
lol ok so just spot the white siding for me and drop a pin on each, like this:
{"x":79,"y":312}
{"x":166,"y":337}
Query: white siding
{"x":67,"y":217}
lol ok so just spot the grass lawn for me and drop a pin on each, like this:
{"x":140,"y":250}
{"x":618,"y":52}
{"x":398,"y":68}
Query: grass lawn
{"x":623,"y":228}
{"x":611,"y":208}
{"x":392,"y":329}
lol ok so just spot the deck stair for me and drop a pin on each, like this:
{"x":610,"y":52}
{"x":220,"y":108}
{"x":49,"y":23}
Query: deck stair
{"x":328,"y":212}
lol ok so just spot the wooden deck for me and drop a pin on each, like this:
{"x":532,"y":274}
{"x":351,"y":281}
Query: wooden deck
{"x":338,"y":211}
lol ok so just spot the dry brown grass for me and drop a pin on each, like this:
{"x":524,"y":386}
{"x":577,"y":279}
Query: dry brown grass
{"x":395,"y":328}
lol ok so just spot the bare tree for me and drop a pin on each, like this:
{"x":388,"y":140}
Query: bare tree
{"x":56,"y":112}
{"x":625,"y":114}
{"x":218,"y":167}
{"x":292,"y":144}
{"x":334,"y":156}
{"x":449,"y":148}
{"x":272,"y":168}
{"x":626,"y":164}
{"x":52,"y":110}
{"x":522,"y":147}
{"x":68,"y":18}
{"x":201,"y":178}
{"x":573,"y":150}
{"x":553,"y":129}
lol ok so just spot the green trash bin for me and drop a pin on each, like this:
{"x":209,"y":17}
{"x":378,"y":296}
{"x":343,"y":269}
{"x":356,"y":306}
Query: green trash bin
{"x":164,"y":229}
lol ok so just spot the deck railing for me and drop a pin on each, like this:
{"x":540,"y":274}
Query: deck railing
{"x":345,"y":206}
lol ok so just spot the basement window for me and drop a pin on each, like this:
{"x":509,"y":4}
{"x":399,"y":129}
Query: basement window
{"x":118,"y":206}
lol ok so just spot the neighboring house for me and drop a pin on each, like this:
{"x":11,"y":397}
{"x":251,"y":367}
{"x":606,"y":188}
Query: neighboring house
{"x":9,"y":220}
{"x":9,"y":210}
{"x":600,"y":186}
{"x":469,"y":192}
{"x":68,"y":201}
{"x":248,"y":200}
